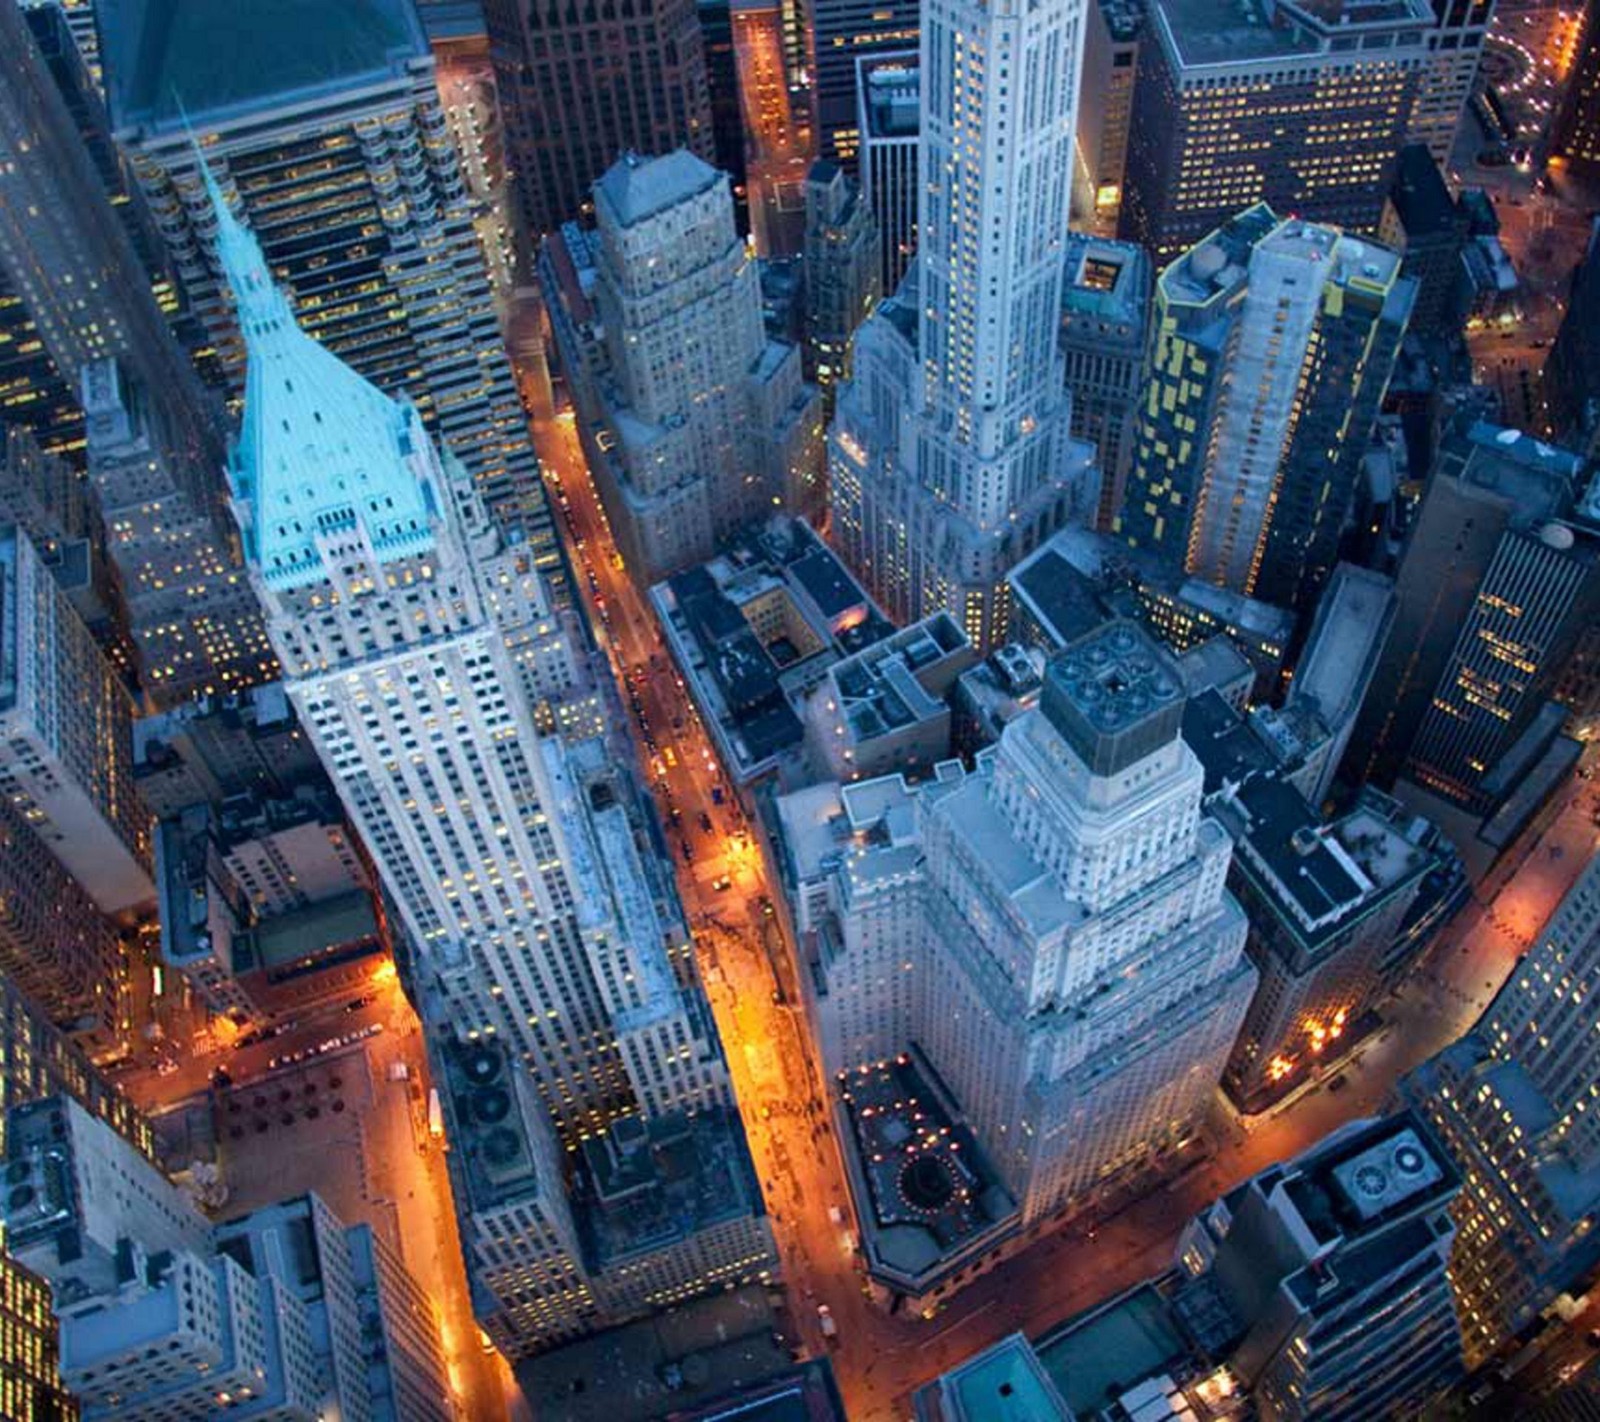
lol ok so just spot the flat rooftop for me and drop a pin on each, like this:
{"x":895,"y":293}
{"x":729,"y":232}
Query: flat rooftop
{"x":1209,"y":32}
{"x":931,"y":1191}
{"x":164,"y":59}
{"x":1096,"y":1357}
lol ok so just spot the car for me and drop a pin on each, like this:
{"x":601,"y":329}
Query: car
{"x":716,"y":794}
{"x":166,"y":1066}
{"x":722,"y":885}
{"x":357,"y":1003}
{"x":1338,"y":1084}
{"x":705,"y":822}
{"x":1592,"y":1337}
{"x":688,"y":854}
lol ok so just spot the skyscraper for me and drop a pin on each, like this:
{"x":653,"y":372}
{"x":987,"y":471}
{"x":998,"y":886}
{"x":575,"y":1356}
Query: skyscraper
{"x":1300,"y":106}
{"x":325,"y":125}
{"x":1570,"y":382}
{"x":1517,"y":1104}
{"x":415,"y":641}
{"x":1575,"y":133}
{"x":841,"y":273}
{"x":1498,"y":582}
{"x":887,"y":89}
{"x":1115,"y":31}
{"x":1105,"y":305}
{"x":66,"y":742}
{"x":845,"y":33}
{"x":39,"y":1060}
{"x":1455,"y":48}
{"x":1325,"y":903}
{"x":76,"y":291}
{"x":1051,"y":930}
{"x":1273,"y":346}
{"x":984,"y":470}
{"x":580,"y":89}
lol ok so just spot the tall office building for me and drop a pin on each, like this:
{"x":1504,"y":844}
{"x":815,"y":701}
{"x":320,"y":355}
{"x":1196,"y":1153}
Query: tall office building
{"x":38,"y":1060}
{"x":1272,"y":349}
{"x":841,"y":274}
{"x":1105,"y":109}
{"x":1428,"y":227}
{"x":1330,"y":1272}
{"x":1455,"y":49}
{"x":76,"y":264}
{"x":415,"y":641}
{"x":70,"y":232}
{"x":1575,"y":132}
{"x":1105,"y":303}
{"x":888,"y":93}
{"x":933,"y":515}
{"x":66,"y":739}
{"x":193,"y":621}
{"x":1325,"y":903}
{"x":845,"y":33}
{"x":1300,"y":106}
{"x":581,"y":88}
{"x":1052,"y":930}
{"x":1498,"y":583}
{"x":1570,"y":382}
{"x":325,"y":128}
{"x":696,"y":422}
{"x":1517,"y":1104}
{"x":163,"y":1317}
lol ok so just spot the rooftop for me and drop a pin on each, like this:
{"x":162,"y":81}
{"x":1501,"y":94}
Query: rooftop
{"x":637,"y":188}
{"x":1115,"y":695}
{"x":1004,"y":1383}
{"x":646,"y":1184}
{"x":890,"y":87}
{"x":1347,"y":636}
{"x":1094,"y":1358}
{"x":165,"y":60}
{"x":930,"y":1190}
{"x":1205,"y":32}
{"x":1105,"y":280}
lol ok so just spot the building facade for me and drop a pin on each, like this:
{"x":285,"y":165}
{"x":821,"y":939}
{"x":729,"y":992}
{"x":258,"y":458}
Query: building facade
{"x":1302,"y":107}
{"x":1325,"y":903}
{"x":579,"y":90}
{"x":844,"y":33}
{"x":696,"y":422}
{"x":38,"y":1060}
{"x":949,"y":458}
{"x":841,"y":274}
{"x":1513,"y":1102}
{"x":888,"y":99}
{"x":66,"y":742}
{"x":1455,"y":49}
{"x":1272,"y":347}
{"x":1575,"y":131}
{"x":1496,"y":586}
{"x":1115,"y":29}
{"x":1570,"y":382}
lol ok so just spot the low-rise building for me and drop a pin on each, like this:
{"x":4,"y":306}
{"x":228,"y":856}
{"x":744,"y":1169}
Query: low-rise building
{"x":754,"y":631}
{"x":886,"y":709}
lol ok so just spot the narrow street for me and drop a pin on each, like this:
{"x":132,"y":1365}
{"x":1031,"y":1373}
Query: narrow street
{"x":880,"y":1359}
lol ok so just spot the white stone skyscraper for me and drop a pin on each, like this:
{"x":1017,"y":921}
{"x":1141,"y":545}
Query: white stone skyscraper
{"x":1052,"y":931}
{"x":934,"y":510}
{"x":416,"y":641}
